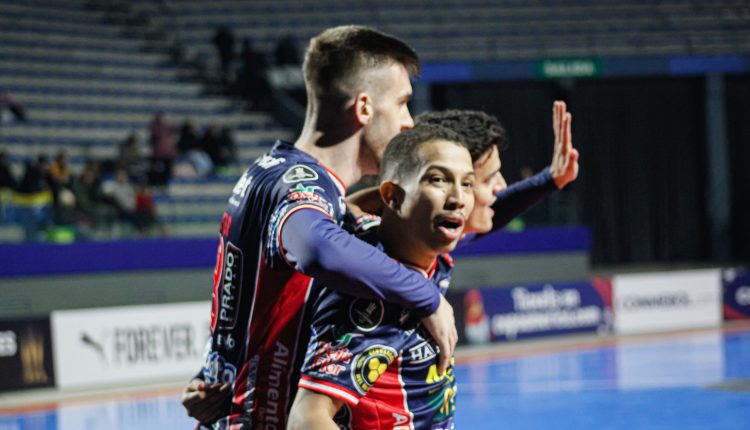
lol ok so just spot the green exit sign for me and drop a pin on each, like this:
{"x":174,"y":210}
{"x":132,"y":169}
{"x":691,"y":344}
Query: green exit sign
{"x":569,"y":68}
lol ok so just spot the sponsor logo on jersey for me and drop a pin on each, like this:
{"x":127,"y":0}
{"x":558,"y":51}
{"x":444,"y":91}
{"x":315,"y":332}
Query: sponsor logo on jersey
{"x":370,"y":365}
{"x":366,"y":314}
{"x":231,"y":287}
{"x":240,"y":188}
{"x":305,"y":189}
{"x":272,"y":411}
{"x":330,"y":358}
{"x":217,"y":370}
{"x":433,"y":376}
{"x":299,"y":173}
{"x":302,"y":193}
{"x":266,"y":161}
{"x":366,"y":222}
{"x":422,"y":352}
{"x":227,"y":341}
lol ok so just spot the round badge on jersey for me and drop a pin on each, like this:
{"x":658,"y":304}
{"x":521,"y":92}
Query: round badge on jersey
{"x":366,"y":314}
{"x":299,"y":173}
{"x":370,"y":365}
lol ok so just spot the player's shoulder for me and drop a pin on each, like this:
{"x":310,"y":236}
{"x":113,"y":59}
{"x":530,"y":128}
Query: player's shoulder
{"x":290,"y":167}
{"x":282,"y":160}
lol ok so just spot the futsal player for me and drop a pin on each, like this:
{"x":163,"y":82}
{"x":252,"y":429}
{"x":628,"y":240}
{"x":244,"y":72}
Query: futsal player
{"x":495,"y":204}
{"x":368,"y":364}
{"x":282,"y":227}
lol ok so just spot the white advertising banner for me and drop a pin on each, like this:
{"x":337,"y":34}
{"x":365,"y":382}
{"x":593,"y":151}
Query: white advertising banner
{"x":146,"y":343}
{"x":651,"y":302}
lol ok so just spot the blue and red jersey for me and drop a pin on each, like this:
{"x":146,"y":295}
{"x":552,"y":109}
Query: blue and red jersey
{"x":281,"y":227}
{"x":376,"y":358}
{"x":258,"y":298}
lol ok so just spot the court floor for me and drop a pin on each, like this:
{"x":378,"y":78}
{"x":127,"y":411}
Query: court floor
{"x":693,"y":380}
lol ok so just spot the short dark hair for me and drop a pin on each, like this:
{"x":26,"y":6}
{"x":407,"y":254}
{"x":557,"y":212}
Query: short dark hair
{"x":479,"y":130}
{"x":400,"y":157}
{"x":335,"y":58}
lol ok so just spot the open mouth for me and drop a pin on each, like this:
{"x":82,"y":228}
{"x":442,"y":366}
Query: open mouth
{"x":451,"y":226}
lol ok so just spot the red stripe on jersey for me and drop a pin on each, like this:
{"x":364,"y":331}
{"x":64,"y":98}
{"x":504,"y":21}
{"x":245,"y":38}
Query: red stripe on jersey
{"x":329,"y":388}
{"x":385,"y":404}
{"x":217,"y":280}
{"x":274,"y":330}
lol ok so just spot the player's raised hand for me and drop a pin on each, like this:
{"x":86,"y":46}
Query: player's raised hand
{"x":203,"y":401}
{"x":442,"y":327}
{"x":564,"y":166}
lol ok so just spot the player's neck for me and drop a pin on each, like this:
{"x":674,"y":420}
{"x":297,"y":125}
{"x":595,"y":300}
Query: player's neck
{"x":335,"y":148}
{"x":399,"y":243}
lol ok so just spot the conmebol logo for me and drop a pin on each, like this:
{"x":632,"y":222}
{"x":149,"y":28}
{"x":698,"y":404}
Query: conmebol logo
{"x":666,"y":300}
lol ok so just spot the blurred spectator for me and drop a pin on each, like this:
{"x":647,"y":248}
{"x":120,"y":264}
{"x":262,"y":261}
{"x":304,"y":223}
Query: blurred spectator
{"x":92,"y":164}
{"x":60,"y":181}
{"x":211,"y":142}
{"x":188,"y":139}
{"x":34,"y":198}
{"x":191,"y":149}
{"x":145,"y":217}
{"x":129,"y":156}
{"x":252,"y":80}
{"x":287,"y":52}
{"x":60,"y":170}
{"x":7,"y":186}
{"x":226,"y":154}
{"x":224,"y":42}
{"x":90,"y":211}
{"x":16,"y":108}
{"x":7,"y":180}
{"x":34,"y":177}
{"x":163,"y":150}
{"x":121,"y":195}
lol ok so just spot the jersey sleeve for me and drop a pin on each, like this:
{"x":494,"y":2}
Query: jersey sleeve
{"x":520,"y":197}
{"x":313,"y":192}
{"x":319,"y":248}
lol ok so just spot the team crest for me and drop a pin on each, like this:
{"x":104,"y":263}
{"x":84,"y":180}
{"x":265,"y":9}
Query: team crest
{"x":299,"y":173}
{"x":370,"y":365}
{"x":366,"y":314}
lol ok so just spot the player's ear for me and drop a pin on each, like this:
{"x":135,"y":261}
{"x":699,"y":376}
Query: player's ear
{"x":363,"y":108}
{"x":392,"y":195}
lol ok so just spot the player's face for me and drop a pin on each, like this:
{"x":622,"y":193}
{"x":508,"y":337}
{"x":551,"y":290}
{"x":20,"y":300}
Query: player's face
{"x":489,"y":182}
{"x":390,"y":91}
{"x":440,"y":197}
